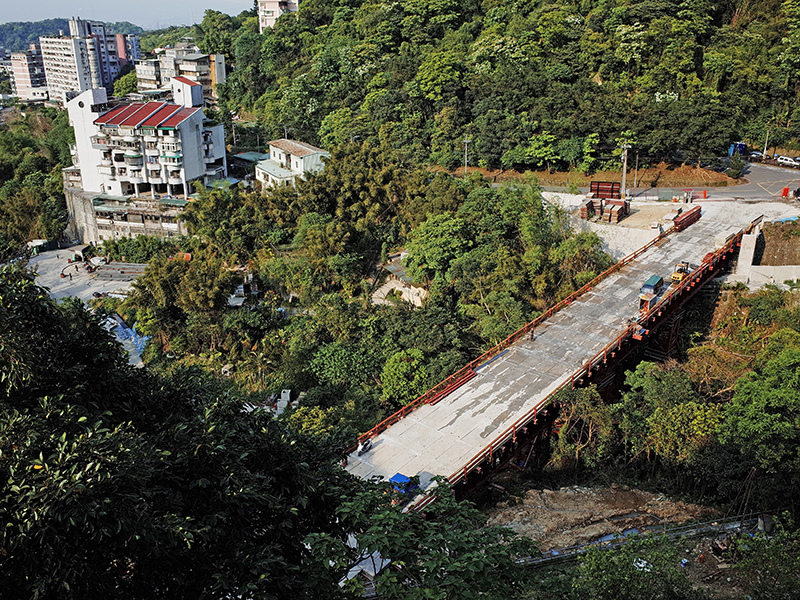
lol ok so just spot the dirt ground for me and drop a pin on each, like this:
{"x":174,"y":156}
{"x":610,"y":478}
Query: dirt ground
{"x":781,"y":244}
{"x":662,"y":175}
{"x":577,"y":515}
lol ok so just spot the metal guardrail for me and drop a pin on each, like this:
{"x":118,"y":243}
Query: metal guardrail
{"x":571,"y":553}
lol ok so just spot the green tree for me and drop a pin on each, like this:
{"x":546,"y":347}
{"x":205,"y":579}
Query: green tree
{"x":125,"y":85}
{"x":645,"y":568}
{"x":404,"y":376}
{"x":435,"y":243}
{"x":763,"y":417}
{"x":585,"y":428}
{"x":445,"y":552}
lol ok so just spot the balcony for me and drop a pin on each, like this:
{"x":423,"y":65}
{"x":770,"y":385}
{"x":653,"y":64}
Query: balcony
{"x":210,"y":159}
{"x":106,"y":170}
{"x":135,"y":177}
{"x":106,"y":162}
{"x":174,"y":180}
{"x":151,"y":151}
{"x":133,"y":160}
{"x":151,"y":138}
{"x":169,"y":161}
{"x":171,"y":148}
{"x":155,"y":166}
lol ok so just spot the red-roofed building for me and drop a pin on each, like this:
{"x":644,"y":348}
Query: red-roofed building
{"x":151,"y":150}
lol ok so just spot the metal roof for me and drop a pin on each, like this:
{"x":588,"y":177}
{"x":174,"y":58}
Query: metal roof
{"x":296,"y":148}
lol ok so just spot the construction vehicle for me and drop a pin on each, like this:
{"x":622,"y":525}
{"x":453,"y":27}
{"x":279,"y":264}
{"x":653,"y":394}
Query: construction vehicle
{"x":647,"y":301}
{"x":653,"y":285}
{"x":681,"y":271}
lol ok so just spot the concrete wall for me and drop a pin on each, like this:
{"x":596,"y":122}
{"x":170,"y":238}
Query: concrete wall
{"x":81,"y":212}
{"x":191,"y":137}
{"x":756,"y":276}
{"x":81,"y":117}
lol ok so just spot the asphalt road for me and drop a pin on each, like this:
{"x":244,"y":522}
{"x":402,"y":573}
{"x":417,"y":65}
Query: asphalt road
{"x":760,"y":182}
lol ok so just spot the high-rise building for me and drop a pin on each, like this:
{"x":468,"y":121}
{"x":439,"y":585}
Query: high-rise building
{"x":270,"y":10}
{"x":128,"y":49}
{"x":86,"y":59}
{"x":27,"y":76}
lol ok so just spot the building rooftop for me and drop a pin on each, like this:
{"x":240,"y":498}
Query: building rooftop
{"x":296,"y":148}
{"x":161,"y":115}
{"x":194,"y":56}
{"x":145,"y":114}
{"x":184,"y":80}
{"x":274,"y":169}
{"x":253,"y":157}
{"x":178,"y":118}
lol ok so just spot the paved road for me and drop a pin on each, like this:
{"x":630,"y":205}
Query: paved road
{"x":440,"y":439}
{"x":760,"y":182}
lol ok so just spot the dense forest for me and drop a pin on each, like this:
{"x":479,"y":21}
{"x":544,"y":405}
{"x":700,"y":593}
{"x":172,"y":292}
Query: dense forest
{"x":531,"y":84}
{"x":175,"y":480}
{"x":17,"y":36}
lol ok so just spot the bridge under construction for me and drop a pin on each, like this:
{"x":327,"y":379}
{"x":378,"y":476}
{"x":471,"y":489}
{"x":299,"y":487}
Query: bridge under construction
{"x":479,"y":418}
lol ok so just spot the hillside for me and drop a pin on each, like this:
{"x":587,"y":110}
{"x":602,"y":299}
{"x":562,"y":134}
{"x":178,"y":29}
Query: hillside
{"x":18,"y":35}
{"x":539,"y":86}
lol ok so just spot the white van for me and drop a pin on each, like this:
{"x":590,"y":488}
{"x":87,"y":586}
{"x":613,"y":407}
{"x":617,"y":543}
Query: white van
{"x":788,"y":161}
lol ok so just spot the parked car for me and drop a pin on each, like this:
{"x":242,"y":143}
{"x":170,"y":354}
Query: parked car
{"x":788,"y":161}
{"x":755,"y":155}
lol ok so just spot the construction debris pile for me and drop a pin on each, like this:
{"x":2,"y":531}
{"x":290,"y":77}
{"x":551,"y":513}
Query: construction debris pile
{"x":572,"y":516}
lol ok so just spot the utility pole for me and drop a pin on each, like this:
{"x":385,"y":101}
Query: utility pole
{"x":625,"y":146}
{"x":766,"y":141}
{"x":466,"y":145}
{"x":636,"y":171}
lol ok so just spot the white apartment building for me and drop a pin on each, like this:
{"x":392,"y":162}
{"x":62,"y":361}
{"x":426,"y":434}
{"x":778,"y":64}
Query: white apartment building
{"x":86,"y":59}
{"x":144,"y":147}
{"x":138,"y":159}
{"x":270,"y":10}
{"x":288,"y":160}
{"x":27,"y":75}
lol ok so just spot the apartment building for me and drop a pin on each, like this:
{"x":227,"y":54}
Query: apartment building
{"x":87,"y":58}
{"x":28,"y":81}
{"x":128,"y":49}
{"x":288,"y":160}
{"x":135,"y":164}
{"x":186,"y":61}
{"x":270,"y":10}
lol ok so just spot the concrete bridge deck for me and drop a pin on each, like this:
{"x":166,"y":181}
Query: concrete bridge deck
{"x":440,"y":439}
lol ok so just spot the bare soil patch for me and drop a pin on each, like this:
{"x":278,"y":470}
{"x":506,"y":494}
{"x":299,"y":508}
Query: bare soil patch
{"x":661,"y":175}
{"x":577,"y":515}
{"x":781,"y":244}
